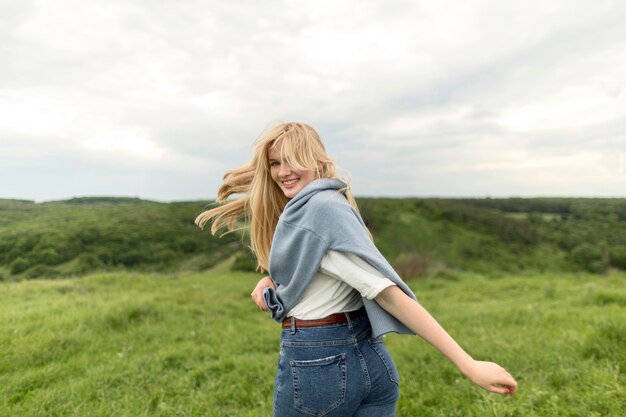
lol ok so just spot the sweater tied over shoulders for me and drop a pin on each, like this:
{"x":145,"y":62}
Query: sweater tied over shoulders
{"x":318,"y":219}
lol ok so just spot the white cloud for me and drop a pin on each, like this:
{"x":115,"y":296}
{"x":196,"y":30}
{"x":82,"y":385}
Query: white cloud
{"x":435,"y":92}
{"x":129,"y":142}
{"x":37,"y":116}
{"x":574,"y":108}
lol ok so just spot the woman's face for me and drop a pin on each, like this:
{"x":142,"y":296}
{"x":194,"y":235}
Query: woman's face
{"x":290,"y":180}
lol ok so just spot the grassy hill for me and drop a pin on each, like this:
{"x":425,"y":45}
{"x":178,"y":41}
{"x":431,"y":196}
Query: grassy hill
{"x":193,"y":344}
{"x":165,"y":326}
{"x":419,"y":236}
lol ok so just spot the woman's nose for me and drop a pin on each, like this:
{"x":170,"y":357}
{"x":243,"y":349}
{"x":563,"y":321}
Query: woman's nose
{"x":285,"y":169}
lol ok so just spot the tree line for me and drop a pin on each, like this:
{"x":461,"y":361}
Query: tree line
{"x":418,"y":235}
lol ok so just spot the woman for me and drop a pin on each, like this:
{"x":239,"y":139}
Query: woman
{"x":331,"y":289}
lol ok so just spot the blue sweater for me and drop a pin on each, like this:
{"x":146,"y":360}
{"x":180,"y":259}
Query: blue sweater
{"x":319,"y":218}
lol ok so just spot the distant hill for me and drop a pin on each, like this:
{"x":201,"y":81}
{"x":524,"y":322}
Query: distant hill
{"x":514,"y":234}
{"x":85,"y":234}
{"x":105,"y":200}
{"x":419,"y":236}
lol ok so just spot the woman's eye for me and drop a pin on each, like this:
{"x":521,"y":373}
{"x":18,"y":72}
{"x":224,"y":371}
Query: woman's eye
{"x":273,"y":164}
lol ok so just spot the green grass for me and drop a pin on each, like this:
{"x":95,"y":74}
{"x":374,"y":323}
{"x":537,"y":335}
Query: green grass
{"x":193,"y":344}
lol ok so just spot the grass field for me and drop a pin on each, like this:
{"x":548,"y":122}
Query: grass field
{"x":193,"y":344}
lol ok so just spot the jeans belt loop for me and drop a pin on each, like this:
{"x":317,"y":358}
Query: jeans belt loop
{"x":348,"y":320}
{"x":293,"y":325}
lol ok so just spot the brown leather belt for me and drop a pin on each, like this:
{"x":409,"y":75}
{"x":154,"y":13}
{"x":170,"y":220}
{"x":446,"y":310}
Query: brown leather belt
{"x":332,"y":319}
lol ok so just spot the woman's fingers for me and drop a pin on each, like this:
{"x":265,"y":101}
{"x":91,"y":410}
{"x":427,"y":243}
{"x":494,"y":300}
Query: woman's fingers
{"x":257,"y":297}
{"x":505,"y":385}
{"x":257,"y":293}
{"x":499,"y":390}
{"x":511,"y":381}
{"x":493,"y":378}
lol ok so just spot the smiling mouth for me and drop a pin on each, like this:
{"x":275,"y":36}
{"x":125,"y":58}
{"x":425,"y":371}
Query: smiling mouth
{"x":288,"y":183}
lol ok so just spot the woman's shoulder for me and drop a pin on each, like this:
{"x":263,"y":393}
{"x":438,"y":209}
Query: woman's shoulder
{"x":328,"y":201}
{"x":331,"y":211}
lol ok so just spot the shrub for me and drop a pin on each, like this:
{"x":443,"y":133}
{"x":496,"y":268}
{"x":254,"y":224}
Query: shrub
{"x":104,"y":257}
{"x":166,"y":257}
{"x":244,"y":261}
{"x":47,"y":256}
{"x":42,"y":271}
{"x":592,"y":258}
{"x":87,"y":262}
{"x":618,"y":257}
{"x":131,"y":258}
{"x":412,"y":265}
{"x":187,"y":244}
{"x":19,"y":265}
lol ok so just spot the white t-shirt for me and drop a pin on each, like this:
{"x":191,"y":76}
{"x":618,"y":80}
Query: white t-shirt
{"x":343,"y":278}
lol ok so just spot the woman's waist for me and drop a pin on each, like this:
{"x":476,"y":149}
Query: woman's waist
{"x":329,"y":330}
{"x":292,"y":322}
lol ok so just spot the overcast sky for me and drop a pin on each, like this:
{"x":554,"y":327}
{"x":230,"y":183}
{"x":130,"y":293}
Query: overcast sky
{"x":156,"y":99}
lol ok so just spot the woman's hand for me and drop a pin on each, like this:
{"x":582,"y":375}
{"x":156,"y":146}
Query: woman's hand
{"x":257,"y":293}
{"x":491,"y":377}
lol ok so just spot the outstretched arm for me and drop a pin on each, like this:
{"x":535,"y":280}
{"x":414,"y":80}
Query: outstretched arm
{"x":487,"y":375}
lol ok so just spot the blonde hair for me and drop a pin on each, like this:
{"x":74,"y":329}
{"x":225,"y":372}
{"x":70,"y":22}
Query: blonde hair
{"x":262,"y":200}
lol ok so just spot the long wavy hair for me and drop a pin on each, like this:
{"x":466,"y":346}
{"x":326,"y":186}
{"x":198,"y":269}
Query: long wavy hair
{"x":262,"y":201}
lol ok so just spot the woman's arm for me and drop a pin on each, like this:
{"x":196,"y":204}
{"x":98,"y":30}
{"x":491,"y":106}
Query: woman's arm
{"x":487,"y":375}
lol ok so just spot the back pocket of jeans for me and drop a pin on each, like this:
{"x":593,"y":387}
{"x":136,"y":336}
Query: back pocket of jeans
{"x":319,"y":385}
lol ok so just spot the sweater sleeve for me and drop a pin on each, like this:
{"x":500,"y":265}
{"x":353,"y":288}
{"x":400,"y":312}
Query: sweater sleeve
{"x":355,"y":272}
{"x":295,"y":258}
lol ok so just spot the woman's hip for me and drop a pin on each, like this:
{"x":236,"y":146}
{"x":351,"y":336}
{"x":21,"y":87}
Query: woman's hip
{"x":315,"y":365}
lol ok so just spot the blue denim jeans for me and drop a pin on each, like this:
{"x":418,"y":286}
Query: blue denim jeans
{"x":336,"y":370}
